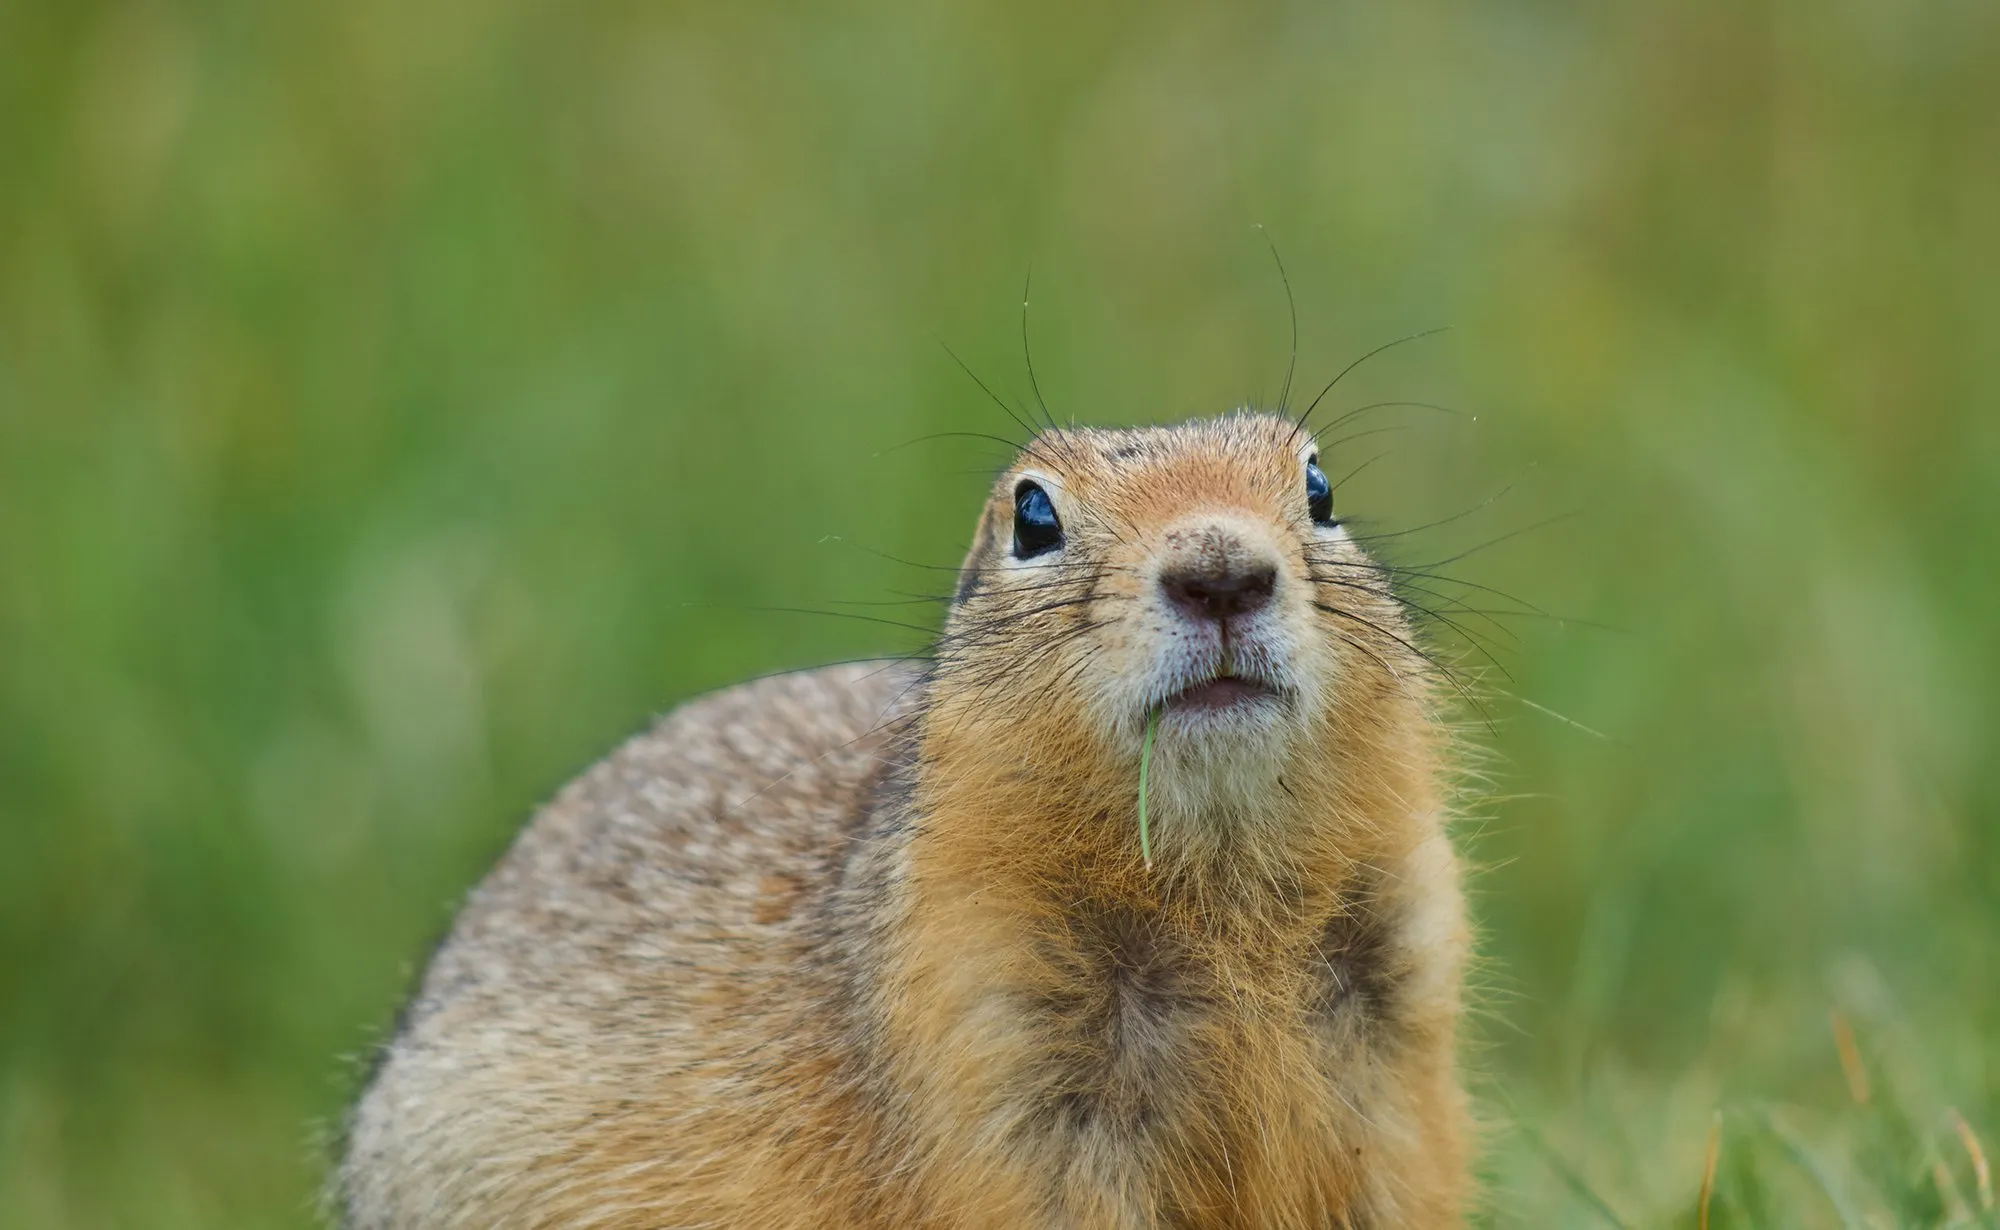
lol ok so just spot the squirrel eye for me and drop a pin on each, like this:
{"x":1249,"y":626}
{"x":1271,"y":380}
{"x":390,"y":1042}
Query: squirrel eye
{"x":1036,"y":529}
{"x":1319,"y":496}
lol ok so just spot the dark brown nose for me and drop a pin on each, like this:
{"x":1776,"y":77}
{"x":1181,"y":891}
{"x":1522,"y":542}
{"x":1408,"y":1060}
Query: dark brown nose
{"x":1219,"y":591}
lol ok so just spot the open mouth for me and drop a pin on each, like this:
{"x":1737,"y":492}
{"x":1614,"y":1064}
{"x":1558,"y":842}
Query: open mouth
{"x":1221,"y":694}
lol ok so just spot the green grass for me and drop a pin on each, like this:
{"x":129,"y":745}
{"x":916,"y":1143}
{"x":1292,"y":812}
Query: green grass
{"x":399,"y":403}
{"x":1888,"y":1154}
{"x":1145,"y":765}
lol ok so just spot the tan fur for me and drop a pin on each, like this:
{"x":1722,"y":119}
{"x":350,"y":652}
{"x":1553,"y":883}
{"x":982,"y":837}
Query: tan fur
{"x":876,"y":947}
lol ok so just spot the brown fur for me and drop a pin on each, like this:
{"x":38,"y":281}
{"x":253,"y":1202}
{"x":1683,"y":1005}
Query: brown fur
{"x":876,"y":947}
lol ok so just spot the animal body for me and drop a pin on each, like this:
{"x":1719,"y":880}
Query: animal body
{"x":879,"y":947}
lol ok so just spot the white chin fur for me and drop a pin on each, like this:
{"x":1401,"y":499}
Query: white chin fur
{"x":1211,"y":769}
{"x":1214,"y":778}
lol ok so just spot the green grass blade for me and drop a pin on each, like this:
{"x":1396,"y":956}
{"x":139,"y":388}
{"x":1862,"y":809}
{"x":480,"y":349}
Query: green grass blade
{"x":1145,"y":765}
{"x":1571,"y":1177}
{"x":1795,"y":1146}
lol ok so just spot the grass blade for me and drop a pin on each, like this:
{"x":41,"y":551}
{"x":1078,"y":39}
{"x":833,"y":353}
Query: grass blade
{"x":1708,"y":1167}
{"x":1571,"y":1177}
{"x":1850,"y":1218}
{"x":1145,"y":765}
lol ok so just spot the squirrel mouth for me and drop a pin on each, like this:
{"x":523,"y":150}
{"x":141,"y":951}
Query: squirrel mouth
{"x":1224,"y":692}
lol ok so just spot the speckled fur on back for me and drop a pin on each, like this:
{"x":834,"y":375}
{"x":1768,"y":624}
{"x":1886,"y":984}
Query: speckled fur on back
{"x":876,"y":947}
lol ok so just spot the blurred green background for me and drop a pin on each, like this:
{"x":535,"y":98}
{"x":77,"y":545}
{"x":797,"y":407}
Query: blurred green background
{"x":400,"y":402}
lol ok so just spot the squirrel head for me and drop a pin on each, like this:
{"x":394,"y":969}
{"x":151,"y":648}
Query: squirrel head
{"x":1197,"y":574}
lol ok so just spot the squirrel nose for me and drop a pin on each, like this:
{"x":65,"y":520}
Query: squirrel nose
{"x":1220,"y":591}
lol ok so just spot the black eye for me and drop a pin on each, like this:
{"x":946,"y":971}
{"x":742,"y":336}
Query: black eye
{"x":1036,"y":529}
{"x":1319,"y":496}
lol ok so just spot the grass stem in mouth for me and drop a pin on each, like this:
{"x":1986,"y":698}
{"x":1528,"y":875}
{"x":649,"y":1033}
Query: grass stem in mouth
{"x":1145,"y":764}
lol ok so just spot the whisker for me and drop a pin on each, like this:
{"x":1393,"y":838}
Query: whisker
{"x":1349,"y":476}
{"x":1026,"y":449}
{"x":1291,"y":306}
{"x":854,"y":615}
{"x":1383,"y":405}
{"x":983,"y":682}
{"x":1431,"y":525}
{"x":1494,"y":542}
{"x":1301,"y":420}
{"x":1052,"y":566}
{"x":1436,"y":666}
{"x":1012,"y":447}
{"x":1437,"y":617}
{"x":1028,"y":353}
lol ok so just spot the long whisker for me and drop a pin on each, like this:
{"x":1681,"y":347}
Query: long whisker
{"x":1028,"y":353}
{"x":1494,"y":542}
{"x":1488,"y":502}
{"x":972,"y":631}
{"x":1056,"y":566}
{"x":1307,"y":414}
{"x":1436,"y":666}
{"x":1292,"y":307}
{"x":995,"y":398}
{"x":1350,"y":475}
{"x":1435,"y":616}
{"x":1358,"y":411}
{"x":1012,"y":447}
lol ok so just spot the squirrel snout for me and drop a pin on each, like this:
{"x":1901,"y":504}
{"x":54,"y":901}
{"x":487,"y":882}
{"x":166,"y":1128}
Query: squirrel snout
{"x":1219,"y":586}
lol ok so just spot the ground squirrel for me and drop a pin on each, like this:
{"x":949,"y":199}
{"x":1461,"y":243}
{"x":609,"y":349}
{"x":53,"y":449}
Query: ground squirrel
{"x":880,"y":947}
